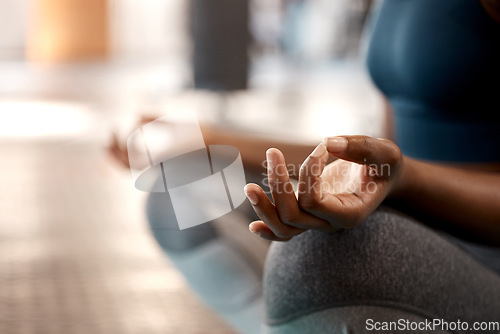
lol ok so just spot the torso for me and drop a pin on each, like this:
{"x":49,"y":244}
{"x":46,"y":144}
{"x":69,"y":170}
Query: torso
{"x":435,"y":61}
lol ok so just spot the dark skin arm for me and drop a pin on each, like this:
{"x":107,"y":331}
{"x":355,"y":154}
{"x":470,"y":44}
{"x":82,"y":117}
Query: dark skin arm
{"x":251,"y":145}
{"x":428,"y":184}
{"x":468,"y":199}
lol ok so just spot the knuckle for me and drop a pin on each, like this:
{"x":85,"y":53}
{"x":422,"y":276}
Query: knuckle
{"x":308,"y":203}
{"x":289,"y":219}
{"x":364,"y":148}
{"x":288,"y":188}
{"x":367,"y":143}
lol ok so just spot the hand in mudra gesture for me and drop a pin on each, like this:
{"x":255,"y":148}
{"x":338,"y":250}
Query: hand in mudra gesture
{"x":330,"y":197}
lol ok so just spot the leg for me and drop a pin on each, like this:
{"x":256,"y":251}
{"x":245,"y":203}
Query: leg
{"x":220,"y":260}
{"x":390,"y":265}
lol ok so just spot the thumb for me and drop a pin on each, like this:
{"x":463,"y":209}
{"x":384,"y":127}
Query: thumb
{"x":364,"y":150}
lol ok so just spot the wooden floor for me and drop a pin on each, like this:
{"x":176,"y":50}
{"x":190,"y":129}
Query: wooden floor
{"x":75,"y":252}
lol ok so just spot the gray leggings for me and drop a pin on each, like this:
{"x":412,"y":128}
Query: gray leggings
{"x":390,"y":267}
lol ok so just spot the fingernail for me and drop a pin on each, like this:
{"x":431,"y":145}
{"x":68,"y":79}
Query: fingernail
{"x":319,"y":151}
{"x":253,"y":230}
{"x":251,"y":196}
{"x":335,"y":144}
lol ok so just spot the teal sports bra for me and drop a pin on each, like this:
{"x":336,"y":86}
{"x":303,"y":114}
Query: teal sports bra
{"x":438,"y":63}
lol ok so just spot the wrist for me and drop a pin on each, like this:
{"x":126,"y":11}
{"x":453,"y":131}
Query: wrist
{"x":209,"y":133}
{"x":403,"y":178}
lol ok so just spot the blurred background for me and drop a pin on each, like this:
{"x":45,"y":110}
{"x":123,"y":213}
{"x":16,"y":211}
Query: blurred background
{"x":76,"y":255}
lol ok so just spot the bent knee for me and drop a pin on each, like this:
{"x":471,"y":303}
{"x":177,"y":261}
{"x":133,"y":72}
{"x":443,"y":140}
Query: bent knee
{"x":163,"y":224}
{"x":371,"y":263}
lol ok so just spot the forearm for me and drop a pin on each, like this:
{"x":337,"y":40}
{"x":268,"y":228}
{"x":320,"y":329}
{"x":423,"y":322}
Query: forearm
{"x":254,"y":146}
{"x":463,"y":199}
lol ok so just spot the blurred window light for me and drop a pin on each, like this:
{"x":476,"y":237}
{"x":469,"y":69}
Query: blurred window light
{"x":38,"y":119}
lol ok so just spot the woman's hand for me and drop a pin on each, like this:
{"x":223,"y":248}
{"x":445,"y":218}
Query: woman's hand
{"x":117,"y":148}
{"x":340,"y":195}
{"x":170,"y":137}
